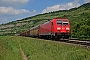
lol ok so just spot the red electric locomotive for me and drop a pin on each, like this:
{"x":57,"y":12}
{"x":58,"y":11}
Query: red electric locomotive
{"x":56,"y":28}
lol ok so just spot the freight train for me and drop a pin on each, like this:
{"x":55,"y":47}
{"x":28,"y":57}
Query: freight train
{"x":56,"y":28}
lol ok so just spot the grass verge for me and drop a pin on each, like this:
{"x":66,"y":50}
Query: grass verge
{"x":9,"y":49}
{"x":36,"y":49}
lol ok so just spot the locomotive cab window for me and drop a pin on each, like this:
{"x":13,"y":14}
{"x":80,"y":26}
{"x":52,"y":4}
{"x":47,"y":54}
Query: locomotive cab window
{"x":65,"y":23}
{"x":59,"y":22}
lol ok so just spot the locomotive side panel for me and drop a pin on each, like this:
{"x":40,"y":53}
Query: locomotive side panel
{"x":45,"y":29}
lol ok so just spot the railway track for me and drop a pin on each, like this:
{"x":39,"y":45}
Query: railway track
{"x":75,"y":41}
{"x":85,"y":43}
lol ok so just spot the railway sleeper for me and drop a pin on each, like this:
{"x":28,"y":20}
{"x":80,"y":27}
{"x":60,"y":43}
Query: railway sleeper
{"x":73,"y":41}
{"x":88,"y":44}
{"x":84,"y":43}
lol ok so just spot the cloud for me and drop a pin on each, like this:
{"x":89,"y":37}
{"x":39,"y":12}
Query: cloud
{"x":34,"y":11}
{"x":12,"y":2}
{"x":3,"y":21}
{"x":12,"y":11}
{"x":10,"y":14}
{"x":86,"y":1}
{"x":57,"y":7}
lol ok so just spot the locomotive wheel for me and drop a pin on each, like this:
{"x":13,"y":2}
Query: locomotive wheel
{"x":53,"y":38}
{"x":67,"y":37}
{"x":56,"y":38}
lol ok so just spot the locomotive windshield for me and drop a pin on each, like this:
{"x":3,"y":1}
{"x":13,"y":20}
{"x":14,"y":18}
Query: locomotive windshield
{"x":59,"y":22}
{"x":63,"y":22}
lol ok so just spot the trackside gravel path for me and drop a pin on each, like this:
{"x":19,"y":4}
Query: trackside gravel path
{"x":23,"y":55}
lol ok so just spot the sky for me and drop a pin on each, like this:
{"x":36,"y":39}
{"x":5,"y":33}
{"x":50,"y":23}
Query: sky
{"x":11,"y":10}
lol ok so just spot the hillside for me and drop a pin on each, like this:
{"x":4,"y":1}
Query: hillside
{"x":79,"y":19}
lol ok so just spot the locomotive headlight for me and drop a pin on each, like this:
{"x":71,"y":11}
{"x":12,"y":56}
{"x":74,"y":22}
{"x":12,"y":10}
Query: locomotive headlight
{"x":67,"y":28}
{"x":58,"y":28}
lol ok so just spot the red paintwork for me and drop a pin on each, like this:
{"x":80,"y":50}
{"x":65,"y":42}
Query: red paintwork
{"x":47,"y":28}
